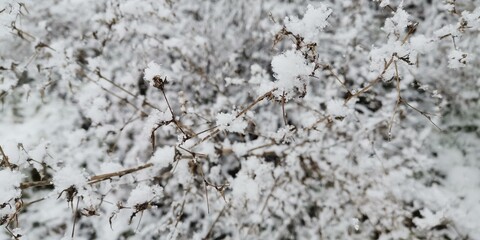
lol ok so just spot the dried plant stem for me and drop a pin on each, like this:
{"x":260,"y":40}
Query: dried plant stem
{"x":397,"y":104}
{"x":410,"y":32}
{"x":92,"y":180}
{"x":425,"y":114}
{"x":174,"y":118}
{"x":372,"y":83}
{"x":250,"y":106}
{"x":267,"y":94}
{"x":75,"y":217}
{"x":5,"y":159}
{"x":117,"y":96}
{"x":330,"y":70}
{"x":207,"y":236}
{"x":284,"y":114}
{"x":97,"y":71}
{"x":103,"y":177}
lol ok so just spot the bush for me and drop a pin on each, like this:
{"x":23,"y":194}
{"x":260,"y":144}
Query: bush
{"x":239,"y":119}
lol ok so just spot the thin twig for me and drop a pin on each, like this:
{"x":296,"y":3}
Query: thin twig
{"x":250,"y":106}
{"x":425,"y":114}
{"x":375,"y":81}
{"x":284,"y":114}
{"x":330,"y":70}
{"x":267,"y":94}
{"x":75,"y":217}
{"x":215,"y":222}
{"x":399,"y":99}
{"x":5,"y":159}
{"x":173,"y":114}
{"x":103,"y":177}
{"x":410,"y":32}
{"x":275,"y":185}
{"x":92,"y":180}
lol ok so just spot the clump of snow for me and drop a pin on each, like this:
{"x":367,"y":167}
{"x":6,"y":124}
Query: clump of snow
{"x":244,"y":189}
{"x":154,"y":118}
{"x":447,"y":30}
{"x":288,"y":68}
{"x":107,"y":167}
{"x":384,"y":3}
{"x":284,"y":134}
{"x":163,"y":157}
{"x":258,"y":74}
{"x":421,"y":44}
{"x":234,"y":81}
{"x":229,"y":122}
{"x":457,"y":59}
{"x":472,"y":19}
{"x":429,"y":219}
{"x":181,"y":172}
{"x":144,"y":193}
{"x":153,"y":69}
{"x":397,"y":23}
{"x":67,"y":177}
{"x":39,"y":152}
{"x":380,"y":55}
{"x":97,"y":110}
{"x":8,"y":81}
{"x":314,"y":20}
{"x":9,"y":185}
{"x":336,"y":108}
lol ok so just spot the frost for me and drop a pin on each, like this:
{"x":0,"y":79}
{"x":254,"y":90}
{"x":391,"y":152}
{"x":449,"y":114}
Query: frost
{"x":314,"y":20}
{"x":9,"y":185}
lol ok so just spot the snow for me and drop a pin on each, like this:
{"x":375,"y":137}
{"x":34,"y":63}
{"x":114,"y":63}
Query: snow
{"x":75,"y":103}
{"x":143,"y":194}
{"x":397,"y":23}
{"x":458,"y":59}
{"x":9,"y":185}
{"x":314,"y":20}
{"x":288,"y":68}
{"x":336,"y":108}
{"x":244,"y":189}
{"x":429,"y":219}
{"x":163,"y":157}
{"x":67,"y":177}
{"x":153,"y":69}
{"x":229,"y":122}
